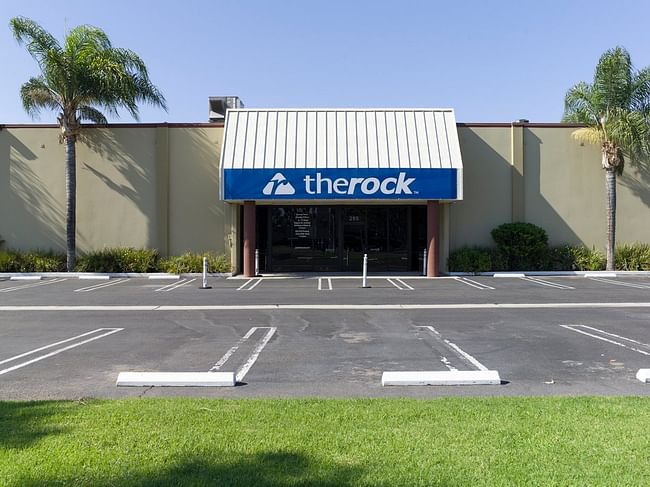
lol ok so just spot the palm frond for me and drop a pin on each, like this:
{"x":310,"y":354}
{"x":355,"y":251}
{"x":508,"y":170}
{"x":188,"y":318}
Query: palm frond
{"x":39,"y":42}
{"x":588,"y":135}
{"x":630,"y":131}
{"x":579,"y":106}
{"x":613,"y":79}
{"x":640,"y":100}
{"x":91,"y":114}
{"x":35,"y":95}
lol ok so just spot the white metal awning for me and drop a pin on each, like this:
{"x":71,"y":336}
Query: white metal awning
{"x":286,"y":140}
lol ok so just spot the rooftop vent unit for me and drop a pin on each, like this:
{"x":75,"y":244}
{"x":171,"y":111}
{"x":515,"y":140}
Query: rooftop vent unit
{"x":219,"y":104}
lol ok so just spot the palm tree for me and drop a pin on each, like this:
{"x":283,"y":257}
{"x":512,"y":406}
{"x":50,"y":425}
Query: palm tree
{"x":615,"y":109}
{"x":80,"y":79}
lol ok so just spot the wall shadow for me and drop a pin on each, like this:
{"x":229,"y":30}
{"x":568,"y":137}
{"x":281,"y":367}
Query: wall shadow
{"x":125,"y":157}
{"x":559,"y":231}
{"x":639,"y":185}
{"x":103,"y":142}
{"x":33,"y":217}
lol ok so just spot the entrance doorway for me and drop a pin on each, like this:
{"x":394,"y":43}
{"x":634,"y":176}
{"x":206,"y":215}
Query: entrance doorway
{"x":335,"y":238}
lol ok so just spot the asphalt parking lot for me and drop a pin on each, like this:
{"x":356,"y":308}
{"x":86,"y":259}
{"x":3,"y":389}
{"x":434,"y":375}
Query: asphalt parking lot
{"x":64,"y":337}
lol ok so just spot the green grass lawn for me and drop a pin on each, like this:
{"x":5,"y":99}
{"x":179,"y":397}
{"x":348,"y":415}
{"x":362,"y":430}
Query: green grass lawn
{"x":441,"y":442}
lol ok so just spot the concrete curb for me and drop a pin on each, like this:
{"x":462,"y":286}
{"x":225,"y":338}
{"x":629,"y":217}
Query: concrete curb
{"x":441,"y":378}
{"x":552,"y":273}
{"x":176,"y":379}
{"x":109,"y":275}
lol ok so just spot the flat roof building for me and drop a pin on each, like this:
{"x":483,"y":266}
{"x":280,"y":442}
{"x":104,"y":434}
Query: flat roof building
{"x":312,"y":189}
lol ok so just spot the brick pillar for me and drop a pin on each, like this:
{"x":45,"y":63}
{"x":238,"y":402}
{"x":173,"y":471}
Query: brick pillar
{"x":433,"y":238}
{"x":249,"y":238}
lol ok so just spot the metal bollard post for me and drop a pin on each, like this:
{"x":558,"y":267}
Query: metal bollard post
{"x":364,"y":281}
{"x":424,"y":263}
{"x":257,"y":262}
{"x":205,"y":274}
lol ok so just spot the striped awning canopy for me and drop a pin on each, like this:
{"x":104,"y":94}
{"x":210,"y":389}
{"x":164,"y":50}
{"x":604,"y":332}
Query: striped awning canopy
{"x":341,"y":154}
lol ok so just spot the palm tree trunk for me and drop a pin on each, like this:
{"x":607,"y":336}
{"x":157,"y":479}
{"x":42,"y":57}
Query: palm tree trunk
{"x":610,"y":182}
{"x":71,"y":201}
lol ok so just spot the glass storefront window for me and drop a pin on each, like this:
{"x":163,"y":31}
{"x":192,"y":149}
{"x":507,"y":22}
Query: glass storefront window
{"x":330,"y":238}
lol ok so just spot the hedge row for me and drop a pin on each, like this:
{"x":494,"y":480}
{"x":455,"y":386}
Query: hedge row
{"x":629,"y":257}
{"x":112,"y":260}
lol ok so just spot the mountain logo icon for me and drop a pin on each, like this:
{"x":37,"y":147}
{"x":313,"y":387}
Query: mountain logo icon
{"x":278,"y":185}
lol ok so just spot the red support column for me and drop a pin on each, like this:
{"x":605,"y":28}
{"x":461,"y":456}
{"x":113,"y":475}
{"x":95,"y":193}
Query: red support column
{"x":249,"y":238}
{"x":433,"y":238}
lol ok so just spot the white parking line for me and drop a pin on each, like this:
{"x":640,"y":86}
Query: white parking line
{"x":394,"y":284}
{"x":95,"y":287}
{"x":26,"y":286}
{"x":320,"y":284}
{"x":243,"y":370}
{"x":410,"y":288}
{"x":254,"y":281}
{"x":581,"y":328}
{"x":620,"y":283}
{"x":474,"y":284}
{"x":542,"y":282}
{"x":461,"y":353}
{"x":55,"y":352}
{"x":175,"y":285}
{"x":399,"y":284}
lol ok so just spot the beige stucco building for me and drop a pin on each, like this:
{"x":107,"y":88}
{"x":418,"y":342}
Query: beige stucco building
{"x":158,"y":186}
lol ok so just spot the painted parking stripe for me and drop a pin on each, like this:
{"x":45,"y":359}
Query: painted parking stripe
{"x":321,"y":287}
{"x":37,"y":284}
{"x":102,"y":285}
{"x":320,"y":306}
{"x":399,"y":284}
{"x":452,"y":376}
{"x":474,"y":284}
{"x":175,"y":285}
{"x":108,"y":331}
{"x":395,"y":284}
{"x":243,"y":370}
{"x":250,"y":284}
{"x":455,"y":348}
{"x":410,"y":288}
{"x":542,"y":282}
{"x":610,"y":338}
{"x":620,"y":283}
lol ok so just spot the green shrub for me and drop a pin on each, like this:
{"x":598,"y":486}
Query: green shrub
{"x":523,"y":245}
{"x":475,"y":259}
{"x":191,"y":262}
{"x":32,"y":261}
{"x":632,"y":257}
{"x":575,"y":258}
{"x":125,"y":259}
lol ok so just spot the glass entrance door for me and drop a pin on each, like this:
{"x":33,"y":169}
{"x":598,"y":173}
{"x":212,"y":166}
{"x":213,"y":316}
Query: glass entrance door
{"x":303,"y":238}
{"x":380,"y":232}
{"x":329,"y":239}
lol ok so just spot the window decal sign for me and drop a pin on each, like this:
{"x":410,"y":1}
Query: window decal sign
{"x":342,"y":184}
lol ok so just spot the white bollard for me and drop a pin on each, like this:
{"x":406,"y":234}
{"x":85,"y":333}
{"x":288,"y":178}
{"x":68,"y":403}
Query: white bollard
{"x":364,"y":281}
{"x":257,"y":262}
{"x":205,"y":274}
{"x":424,"y":263}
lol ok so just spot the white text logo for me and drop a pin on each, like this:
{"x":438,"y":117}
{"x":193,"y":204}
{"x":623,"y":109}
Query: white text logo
{"x":368,"y":186}
{"x":278,"y":185}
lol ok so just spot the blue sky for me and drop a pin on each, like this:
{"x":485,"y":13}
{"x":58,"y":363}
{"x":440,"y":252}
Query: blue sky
{"x":492,"y":61}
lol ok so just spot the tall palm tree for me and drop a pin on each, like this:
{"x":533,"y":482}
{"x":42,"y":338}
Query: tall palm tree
{"x":615,"y":110}
{"x":80,"y":79}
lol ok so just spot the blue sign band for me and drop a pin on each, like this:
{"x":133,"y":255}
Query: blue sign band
{"x":340,"y":184}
